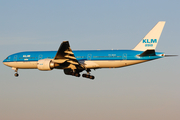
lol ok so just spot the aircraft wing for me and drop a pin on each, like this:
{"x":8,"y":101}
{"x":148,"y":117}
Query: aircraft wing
{"x":65,"y":55}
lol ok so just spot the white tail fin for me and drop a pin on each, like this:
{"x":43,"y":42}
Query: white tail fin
{"x":150,"y":41}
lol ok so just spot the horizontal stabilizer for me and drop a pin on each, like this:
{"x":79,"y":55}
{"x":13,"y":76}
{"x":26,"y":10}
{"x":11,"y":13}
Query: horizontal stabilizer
{"x":148,"y":53}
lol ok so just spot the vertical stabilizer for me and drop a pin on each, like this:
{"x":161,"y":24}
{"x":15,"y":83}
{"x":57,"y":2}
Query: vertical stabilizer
{"x":150,"y":41}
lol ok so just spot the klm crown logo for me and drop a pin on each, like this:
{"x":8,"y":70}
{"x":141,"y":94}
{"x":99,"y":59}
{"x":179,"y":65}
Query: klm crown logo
{"x":149,"y":41}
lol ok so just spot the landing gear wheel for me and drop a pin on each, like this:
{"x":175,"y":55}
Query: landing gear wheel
{"x":88,"y":76}
{"x":77,"y":74}
{"x":16,"y":74}
{"x":83,"y":75}
{"x":92,"y":77}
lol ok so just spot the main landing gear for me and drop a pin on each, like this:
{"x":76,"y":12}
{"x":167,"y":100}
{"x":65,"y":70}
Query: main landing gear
{"x":88,"y":75}
{"x":16,"y":70}
{"x":76,"y":73}
{"x":71,"y":72}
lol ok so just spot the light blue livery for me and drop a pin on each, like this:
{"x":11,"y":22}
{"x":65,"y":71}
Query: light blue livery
{"x":75,"y":61}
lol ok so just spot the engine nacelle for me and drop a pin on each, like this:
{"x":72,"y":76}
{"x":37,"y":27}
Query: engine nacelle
{"x":45,"y":65}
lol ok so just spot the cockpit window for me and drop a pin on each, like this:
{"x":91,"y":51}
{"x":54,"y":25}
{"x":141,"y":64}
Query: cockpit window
{"x":7,"y":58}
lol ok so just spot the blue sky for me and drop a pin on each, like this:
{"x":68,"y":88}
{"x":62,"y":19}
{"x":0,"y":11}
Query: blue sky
{"x":145,"y":91}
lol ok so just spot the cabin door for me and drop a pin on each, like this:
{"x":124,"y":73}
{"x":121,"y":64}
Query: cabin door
{"x":124,"y":56}
{"x":15,"y":58}
{"x":40,"y":57}
{"x":89,"y":56}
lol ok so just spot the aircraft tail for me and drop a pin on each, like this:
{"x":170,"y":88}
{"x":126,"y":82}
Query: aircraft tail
{"x":150,"y":41}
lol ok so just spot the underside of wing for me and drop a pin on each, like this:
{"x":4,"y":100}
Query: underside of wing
{"x":65,"y":57}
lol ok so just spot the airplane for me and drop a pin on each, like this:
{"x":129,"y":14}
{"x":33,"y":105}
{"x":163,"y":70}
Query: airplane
{"x":76,"y":61}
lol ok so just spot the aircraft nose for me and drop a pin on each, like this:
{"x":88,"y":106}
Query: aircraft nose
{"x":7,"y":64}
{"x":4,"y":62}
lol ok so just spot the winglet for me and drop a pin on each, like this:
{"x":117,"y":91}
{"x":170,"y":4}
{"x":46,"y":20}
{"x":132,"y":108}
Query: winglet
{"x":150,"y":41}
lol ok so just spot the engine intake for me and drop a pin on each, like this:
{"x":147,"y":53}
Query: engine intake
{"x":45,"y":65}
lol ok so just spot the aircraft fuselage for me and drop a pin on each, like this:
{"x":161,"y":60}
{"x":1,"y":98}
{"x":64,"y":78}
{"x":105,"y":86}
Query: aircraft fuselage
{"x":98,"y":58}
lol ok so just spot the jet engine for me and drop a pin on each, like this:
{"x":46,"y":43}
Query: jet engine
{"x":45,"y":65}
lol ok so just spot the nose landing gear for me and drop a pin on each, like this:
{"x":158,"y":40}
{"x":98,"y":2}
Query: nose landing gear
{"x":16,"y":70}
{"x":16,"y":74}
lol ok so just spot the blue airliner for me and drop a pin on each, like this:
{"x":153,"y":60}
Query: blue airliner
{"x":74,"y":62}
